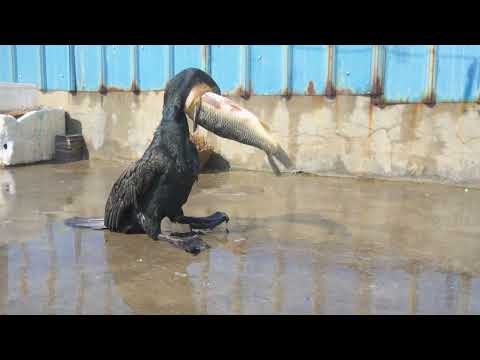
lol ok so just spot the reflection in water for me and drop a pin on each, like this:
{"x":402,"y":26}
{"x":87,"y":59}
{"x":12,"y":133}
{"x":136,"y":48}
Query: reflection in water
{"x":204,"y":285}
{"x":450,"y":297}
{"x":412,"y":293}
{"x":297,"y":245}
{"x":51,"y":275}
{"x":278,"y":294}
{"x":3,"y":282}
{"x":24,"y":271}
{"x":318,"y":289}
{"x":464,"y":293}
{"x":237,"y":306}
{"x":78,"y":245}
{"x":81,"y":283}
{"x":364,"y":295}
{"x":108,"y":297}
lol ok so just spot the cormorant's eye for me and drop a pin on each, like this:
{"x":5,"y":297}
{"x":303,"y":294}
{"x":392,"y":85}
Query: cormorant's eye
{"x":5,"y":146}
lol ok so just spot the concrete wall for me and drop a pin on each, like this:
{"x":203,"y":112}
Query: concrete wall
{"x":17,"y":96}
{"x":344,"y":136}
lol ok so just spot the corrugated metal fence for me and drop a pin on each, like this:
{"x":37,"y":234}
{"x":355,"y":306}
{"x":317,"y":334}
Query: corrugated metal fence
{"x":389,"y":73}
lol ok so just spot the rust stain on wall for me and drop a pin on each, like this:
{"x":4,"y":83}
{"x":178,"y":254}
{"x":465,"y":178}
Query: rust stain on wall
{"x":370,"y":129}
{"x":310,"y":90}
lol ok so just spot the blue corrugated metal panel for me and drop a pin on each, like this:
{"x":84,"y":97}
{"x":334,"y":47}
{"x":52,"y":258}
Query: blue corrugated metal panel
{"x":187,"y":56}
{"x":57,"y":67}
{"x":309,"y":67}
{"x":88,"y":66}
{"x":458,"y":73}
{"x":352,"y":68}
{"x":5,"y":64}
{"x":153,"y":65}
{"x":118,"y":66}
{"x":266,"y":69}
{"x":27,"y":60}
{"x":225,"y":66}
{"x":405,"y":73}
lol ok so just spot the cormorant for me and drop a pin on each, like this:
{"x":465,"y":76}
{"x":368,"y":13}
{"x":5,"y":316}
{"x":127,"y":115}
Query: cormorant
{"x":158,"y":184}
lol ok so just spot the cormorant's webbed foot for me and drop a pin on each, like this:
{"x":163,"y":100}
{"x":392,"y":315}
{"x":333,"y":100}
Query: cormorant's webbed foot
{"x":190,"y":242}
{"x":208,"y":222}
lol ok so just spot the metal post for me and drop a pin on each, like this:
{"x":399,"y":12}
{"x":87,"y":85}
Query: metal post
{"x":13,"y":63}
{"x":73,"y":73}
{"x":432,"y":64}
{"x":287,"y":69}
{"x":377,"y":73}
{"x":171,"y":62}
{"x":103,"y":88}
{"x":134,"y":70}
{"x":206,"y":59}
{"x":245,"y":70}
{"x":42,"y":70}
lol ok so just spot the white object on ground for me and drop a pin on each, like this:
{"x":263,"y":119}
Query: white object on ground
{"x":30,"y":138}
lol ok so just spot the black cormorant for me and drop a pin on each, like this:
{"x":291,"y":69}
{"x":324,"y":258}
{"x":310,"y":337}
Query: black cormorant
{"x":158,"y":184}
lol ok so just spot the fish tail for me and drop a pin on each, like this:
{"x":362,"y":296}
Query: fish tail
{"x":88,"y":223}
{"x":282,"y":156}
{"x":274,"y":166}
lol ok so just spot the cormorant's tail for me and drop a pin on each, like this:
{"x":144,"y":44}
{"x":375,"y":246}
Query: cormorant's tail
{"x":281,"y":156}
{"x":87,"y":223}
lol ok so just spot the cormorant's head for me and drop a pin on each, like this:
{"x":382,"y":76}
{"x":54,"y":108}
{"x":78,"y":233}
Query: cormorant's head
{"x":189,"y":84}
{"x":189,"y":89}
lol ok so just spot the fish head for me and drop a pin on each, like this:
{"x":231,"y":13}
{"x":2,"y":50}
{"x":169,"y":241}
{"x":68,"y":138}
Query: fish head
{"x":195,"y":96}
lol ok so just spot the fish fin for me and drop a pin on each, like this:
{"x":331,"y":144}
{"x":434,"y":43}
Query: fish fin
{"x":274,"y":166}
{"x":264,"y":124}
{"x":282,"y":156}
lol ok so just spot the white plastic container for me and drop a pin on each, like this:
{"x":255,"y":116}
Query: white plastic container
{"x":31,"y":137}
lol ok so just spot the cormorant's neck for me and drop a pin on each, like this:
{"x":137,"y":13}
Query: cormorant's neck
{"x":173,"y":127}
{"x":173,"y":137}
{"x":174,"y":130}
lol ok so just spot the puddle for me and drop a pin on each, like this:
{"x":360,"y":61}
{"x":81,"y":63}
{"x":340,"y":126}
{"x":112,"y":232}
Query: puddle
{"x":297,"y":245}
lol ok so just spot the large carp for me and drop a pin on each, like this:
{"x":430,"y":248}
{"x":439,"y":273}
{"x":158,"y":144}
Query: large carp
{"x":229,"y":120}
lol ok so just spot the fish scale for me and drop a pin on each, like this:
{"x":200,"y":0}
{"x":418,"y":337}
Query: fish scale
{"x":234,"y":129}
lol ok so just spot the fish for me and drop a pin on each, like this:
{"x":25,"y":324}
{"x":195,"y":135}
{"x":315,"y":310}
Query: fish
{"x":229,"y":120}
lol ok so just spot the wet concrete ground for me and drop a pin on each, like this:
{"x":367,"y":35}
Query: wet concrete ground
{"x":297,"y":245}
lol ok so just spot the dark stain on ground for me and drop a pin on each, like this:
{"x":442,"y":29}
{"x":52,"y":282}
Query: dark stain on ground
{"x":216,"y":162}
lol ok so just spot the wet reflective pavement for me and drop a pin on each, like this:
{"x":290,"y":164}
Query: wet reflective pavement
{"x":297,"y":245}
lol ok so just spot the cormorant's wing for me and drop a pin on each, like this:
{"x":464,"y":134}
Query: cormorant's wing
{"x":128,"y":190}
